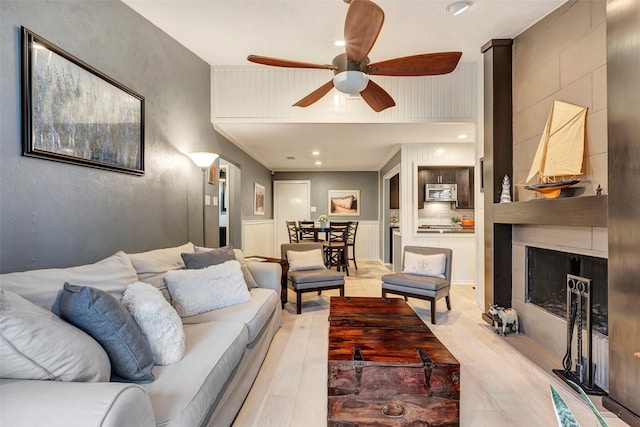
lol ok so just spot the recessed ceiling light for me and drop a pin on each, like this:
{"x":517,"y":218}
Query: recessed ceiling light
{"x":462,"y":136}
{"x":458,"y":7}
{"x":315,"y":153}
{"x":318,"y":163}
{"x":340,"y":43}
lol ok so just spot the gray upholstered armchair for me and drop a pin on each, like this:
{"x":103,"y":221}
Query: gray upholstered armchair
{"x":307,"y":272}
{"x":426,"y":274}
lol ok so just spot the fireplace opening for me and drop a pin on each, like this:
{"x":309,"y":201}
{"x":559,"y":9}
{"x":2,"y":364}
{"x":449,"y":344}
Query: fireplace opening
{"x":547,"y":282}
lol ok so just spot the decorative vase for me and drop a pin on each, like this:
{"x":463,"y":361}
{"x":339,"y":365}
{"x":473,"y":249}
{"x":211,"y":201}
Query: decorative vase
{"x":323,"y":224}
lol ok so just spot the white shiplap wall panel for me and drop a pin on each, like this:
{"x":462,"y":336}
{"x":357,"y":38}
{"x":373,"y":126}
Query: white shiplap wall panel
{"x":266,"y":94}
{"x":259,"y":238}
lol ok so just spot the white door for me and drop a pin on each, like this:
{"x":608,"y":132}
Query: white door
{"x":291,"y":203}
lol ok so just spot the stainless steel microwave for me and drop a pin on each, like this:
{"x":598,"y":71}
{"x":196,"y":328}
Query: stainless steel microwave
{"x":441,"y":193}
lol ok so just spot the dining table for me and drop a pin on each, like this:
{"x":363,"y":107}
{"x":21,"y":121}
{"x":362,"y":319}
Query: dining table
{"x":316,"y":230}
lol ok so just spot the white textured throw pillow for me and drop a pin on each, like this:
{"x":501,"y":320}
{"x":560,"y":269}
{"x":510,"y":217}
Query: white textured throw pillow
{"x":305,"y":260}
{"x":425,"y":265}
{"x":158,"y":320}
{"x":198,"y":291}
{"x":35,"y":344}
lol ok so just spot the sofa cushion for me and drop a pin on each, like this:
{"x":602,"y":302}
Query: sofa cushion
{"x":425,"y":265}
{"x":108,"y":321}
{"x":182,"y":393}
{"x":197,"y":291}
{"x":152,"y":266}
{"x":41,"y":287}
{"x":255,"y":313}
{"x":239,"y":256}
{"x":35,"y":344}
{"x":158,"y":320}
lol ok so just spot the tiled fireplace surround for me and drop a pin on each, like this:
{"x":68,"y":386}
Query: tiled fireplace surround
{"x":543,"y":327}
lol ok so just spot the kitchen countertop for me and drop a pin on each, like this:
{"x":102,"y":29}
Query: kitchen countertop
{"x":460,"y":230}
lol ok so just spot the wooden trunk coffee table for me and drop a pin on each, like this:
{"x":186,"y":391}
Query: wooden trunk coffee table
{"x":386,"y":368}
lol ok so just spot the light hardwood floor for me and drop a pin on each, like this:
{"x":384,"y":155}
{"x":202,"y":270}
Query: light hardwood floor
{"x":499,"y":386}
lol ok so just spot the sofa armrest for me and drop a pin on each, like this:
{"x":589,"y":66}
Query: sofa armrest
{"x":69,"y":404}
{"x":266,"y":274}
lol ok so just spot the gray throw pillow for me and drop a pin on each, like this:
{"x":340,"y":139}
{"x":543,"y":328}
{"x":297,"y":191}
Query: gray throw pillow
{"x":102,"y":316}
{"x":198,"y":260}
{"x":207,"y":257}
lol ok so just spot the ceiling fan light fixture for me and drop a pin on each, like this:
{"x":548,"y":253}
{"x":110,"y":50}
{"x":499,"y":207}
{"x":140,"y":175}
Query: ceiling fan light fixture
{"x":351,"y":82}
{"x":458,"y":7}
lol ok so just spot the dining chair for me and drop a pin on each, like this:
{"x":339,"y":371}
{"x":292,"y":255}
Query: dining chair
{"x":351,"y":242}
{"x":306,"y":231}
{"x":293,"y":232}
{"x":335,"y":248}
{"x":426,"y":274}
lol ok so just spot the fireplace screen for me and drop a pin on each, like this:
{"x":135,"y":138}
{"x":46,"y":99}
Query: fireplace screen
{"x":547,"y":282}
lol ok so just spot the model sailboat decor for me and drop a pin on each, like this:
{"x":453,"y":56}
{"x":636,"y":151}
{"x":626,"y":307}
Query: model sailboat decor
{"x":558,"y":161}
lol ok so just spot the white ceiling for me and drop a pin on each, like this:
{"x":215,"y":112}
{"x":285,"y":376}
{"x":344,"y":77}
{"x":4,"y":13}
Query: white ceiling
{"x":224,"y":32}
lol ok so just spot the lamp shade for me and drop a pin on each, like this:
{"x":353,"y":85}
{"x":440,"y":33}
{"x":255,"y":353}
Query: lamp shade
{"x":203,"y":159}
{"x":351,"y":82}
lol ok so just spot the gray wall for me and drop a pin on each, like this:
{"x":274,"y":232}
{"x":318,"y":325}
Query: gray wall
{"x":322,"y":182}
{"x":56,"y":215}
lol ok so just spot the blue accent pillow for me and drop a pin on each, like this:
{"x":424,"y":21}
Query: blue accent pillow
{"x":102,"y":316}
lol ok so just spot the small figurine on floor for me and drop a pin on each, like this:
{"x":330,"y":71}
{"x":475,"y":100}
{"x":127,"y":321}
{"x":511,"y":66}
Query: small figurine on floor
{"x":508,"y":317}
{"x":505,"y":196}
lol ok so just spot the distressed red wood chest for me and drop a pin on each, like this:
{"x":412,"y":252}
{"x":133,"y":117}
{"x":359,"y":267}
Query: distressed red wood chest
{"x":386,"y":368}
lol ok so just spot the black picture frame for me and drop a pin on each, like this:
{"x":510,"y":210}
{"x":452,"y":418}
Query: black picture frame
{"x":73,"y":113}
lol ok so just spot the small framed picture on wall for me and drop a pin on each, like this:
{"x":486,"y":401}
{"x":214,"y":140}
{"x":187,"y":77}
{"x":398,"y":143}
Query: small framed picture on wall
{"x":258,"y":199}
{"x":344,"y":202}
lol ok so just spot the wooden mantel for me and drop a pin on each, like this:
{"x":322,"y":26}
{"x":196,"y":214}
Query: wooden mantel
{"x":587,"y":211}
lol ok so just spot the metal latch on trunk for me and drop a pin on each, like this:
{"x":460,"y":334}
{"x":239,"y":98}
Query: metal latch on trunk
{"x":428,"y":367}
{"x":358,"y":363}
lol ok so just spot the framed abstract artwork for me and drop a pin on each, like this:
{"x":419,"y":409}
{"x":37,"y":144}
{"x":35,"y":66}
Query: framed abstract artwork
{"x":344,"y":202}
{"x":258,"y":199}
{"x":73,"y":113}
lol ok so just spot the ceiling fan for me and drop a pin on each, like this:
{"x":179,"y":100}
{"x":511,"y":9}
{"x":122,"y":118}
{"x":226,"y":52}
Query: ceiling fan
{"x":352,"y":69}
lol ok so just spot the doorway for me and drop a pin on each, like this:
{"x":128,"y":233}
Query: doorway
{"x":291,"y":203}
{"x":229,"y":218}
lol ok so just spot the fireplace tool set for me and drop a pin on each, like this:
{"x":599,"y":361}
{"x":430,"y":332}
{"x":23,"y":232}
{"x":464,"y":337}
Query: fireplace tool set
{"x":579,"y":318}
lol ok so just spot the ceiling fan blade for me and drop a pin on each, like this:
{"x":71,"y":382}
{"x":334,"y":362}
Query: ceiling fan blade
{"x":315,"y":95}
{"x":428,"y":64}
{"x":376,"y":97}
{"x":361,"y":28}
{"x":277,"y":62}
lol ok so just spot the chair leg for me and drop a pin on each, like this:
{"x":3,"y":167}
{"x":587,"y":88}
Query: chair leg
{"x":433,"y":311}
{"x":298,"y":302}
{"x":384,"y":293}
{"x":406,"y":298}
{"x":342,"y":290}
{"x":319,"y":292}
{"x":353,"y":248}
{"x":448,"y":302}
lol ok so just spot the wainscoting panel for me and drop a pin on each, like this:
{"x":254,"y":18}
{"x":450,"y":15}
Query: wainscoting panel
{"x":258,"y":238}
{"x":368,"y":241}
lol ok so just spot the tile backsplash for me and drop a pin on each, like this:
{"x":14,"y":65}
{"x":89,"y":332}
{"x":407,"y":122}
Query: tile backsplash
{"x":441,"y":213}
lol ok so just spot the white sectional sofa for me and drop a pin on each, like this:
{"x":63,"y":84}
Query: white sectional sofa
{"x":224,"y":350}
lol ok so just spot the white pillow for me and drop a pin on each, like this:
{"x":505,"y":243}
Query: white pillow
{"x":35,"y":344}
{"x":158,"y":321}
{"x":198,"y":291}
{"x":305,"y":260}
{"x":425,"y":265}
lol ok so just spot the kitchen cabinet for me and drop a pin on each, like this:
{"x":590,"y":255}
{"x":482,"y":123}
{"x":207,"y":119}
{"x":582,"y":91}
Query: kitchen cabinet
{"x":394,"y":192}
{"x":461,"y":175}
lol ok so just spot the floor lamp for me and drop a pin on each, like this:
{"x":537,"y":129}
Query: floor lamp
{"x":203,"y":160}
